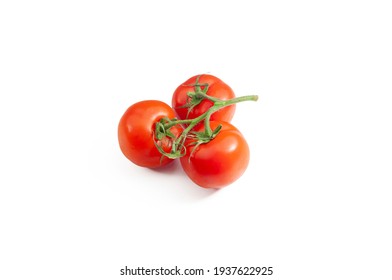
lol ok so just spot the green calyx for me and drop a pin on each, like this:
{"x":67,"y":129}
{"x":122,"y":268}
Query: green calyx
{"x":198,"y":94}
{"x":178,"y":149}
{"x":162,"y":133}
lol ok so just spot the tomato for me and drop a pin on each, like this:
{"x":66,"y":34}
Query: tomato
{"x":136,"y":133}
{"x":216,"y":88}
{"x":219,"y":162}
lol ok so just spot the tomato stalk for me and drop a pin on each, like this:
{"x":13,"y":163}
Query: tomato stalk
{"x":178,"y":147}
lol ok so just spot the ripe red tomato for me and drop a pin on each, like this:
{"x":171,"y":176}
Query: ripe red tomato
{"x":136,"y":133}
{"x":219,"y":162}
{"x":216,"y":88}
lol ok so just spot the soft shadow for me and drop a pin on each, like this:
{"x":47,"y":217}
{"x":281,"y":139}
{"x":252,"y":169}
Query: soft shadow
{"x":181,"y":186}
{"x":173,"y":167}
{"x":192,"y":192}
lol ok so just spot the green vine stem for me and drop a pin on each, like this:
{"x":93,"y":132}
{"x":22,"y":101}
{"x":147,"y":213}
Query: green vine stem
{"x":178,"y":150}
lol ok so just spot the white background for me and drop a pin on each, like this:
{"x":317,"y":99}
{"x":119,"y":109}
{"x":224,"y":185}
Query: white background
{"x":315,"y":202}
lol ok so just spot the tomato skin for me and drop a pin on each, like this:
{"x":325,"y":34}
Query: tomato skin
{"x":217,"y":88}
{"x":219,"y":162}
{"x":136,"y":133}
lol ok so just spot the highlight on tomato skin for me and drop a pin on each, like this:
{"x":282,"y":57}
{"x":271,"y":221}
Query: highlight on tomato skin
{"x":221,"y":161}
{"x":136,"y":133}
{"x":216,"y":88}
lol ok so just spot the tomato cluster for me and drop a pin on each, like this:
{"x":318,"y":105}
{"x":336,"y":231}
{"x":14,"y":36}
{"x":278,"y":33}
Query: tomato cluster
{"x":196,"y":129}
